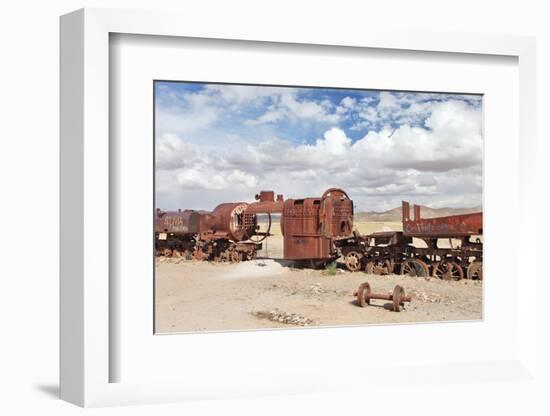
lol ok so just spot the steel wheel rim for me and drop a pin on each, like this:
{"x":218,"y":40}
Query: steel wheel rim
{"x":398,"y":293}
{"x":362,"y":292}
{"x":413,"y":267}
{"x":353,"y":262}
{"x":448,"y":270}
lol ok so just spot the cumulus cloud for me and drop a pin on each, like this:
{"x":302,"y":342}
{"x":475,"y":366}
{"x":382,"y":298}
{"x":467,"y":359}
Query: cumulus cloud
{"x":207,"y":178}
{"x":394,"y":108}
{"x":186,"y":114}
{"x":286,"y":105}
{"x":236,"y":95}
{"x":452,"y":140}
{"x":427,"y":149}
{"x":172,"y":152}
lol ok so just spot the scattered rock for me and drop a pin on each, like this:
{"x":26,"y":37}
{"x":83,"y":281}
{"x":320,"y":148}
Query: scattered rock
{"x":276,"y":315}
{"x":317,"y":288}
{"x":425,"y":297}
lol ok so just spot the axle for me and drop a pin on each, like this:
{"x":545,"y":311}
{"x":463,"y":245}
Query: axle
{"x":387,"y":296}
{"x":398,"y":297}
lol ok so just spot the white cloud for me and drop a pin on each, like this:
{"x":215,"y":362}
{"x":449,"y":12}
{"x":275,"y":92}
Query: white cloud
{"x":438,"y":163}
{"x":334,"y":143}
{"x":193,"y":178}
{"x":171,"y":152}
{"x":197,"y":111}
{"x":403,"y":108}
{"x":452,"y":141}
{"x":239,"y":94}
{"x":210,"y":178}
{"x":286,"y":105}
{"x":346,"y":104}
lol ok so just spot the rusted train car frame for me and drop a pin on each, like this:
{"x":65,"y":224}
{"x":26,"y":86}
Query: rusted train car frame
{"x":389,"y":252}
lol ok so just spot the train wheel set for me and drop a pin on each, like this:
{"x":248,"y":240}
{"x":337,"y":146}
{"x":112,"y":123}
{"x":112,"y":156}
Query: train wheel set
{"x":413,"y":267}
{"x":219,"y":250}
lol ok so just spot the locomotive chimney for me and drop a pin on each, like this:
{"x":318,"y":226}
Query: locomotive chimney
{"x":267,"y":196}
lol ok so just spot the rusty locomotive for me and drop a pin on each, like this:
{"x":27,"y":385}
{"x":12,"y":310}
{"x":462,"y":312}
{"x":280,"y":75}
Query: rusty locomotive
{"x":229,"y":233}
{"x":319,"y":230}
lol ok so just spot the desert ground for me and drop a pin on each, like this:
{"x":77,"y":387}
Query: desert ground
{"x":271,"y":293}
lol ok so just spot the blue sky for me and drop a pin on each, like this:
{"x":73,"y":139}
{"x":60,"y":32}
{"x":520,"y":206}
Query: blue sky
{"x":219,"y":140}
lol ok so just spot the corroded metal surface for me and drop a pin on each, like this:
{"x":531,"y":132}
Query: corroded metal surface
{"x":363,"y":294}
{"x":230,"y":218}
{"x":353,"y":261}
{"x":387,"y":238}
{"x":319,"y":230}
{"x":414,"y":268}
{"x":398,"y":297}
{"x":379,"y":267}
{"x":310,"y":225}
{"x":336,"y":213}
{"x":448,"y":270}
{"x":441,"y":227}
{"x":266,"y":204}
{"x":223,"y":234}
{"x":177,"y":222}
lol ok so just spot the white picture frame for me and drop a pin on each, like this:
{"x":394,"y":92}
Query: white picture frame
{"x":85,"y":165}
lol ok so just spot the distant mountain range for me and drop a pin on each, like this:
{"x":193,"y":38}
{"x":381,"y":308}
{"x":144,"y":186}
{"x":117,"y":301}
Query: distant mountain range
{"x":394,"y":214}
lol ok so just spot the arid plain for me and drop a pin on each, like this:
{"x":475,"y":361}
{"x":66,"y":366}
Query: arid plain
{"x":271,"y":293}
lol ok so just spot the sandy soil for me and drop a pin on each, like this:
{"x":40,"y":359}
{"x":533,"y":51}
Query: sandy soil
{"x":270,"y":293}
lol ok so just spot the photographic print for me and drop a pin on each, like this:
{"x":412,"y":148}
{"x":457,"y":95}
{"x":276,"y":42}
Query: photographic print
{"x":292,"y":207}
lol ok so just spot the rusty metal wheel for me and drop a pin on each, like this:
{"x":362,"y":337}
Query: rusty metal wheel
{"x":369,"y":267}
{"x":414,"y":268}
{"x":384,"y":267}
{"x":225,"y":256}
{"x":475,"y":270}
{"x":235,"y":257}
{"x":391,"y":266}
{"x":362,"y":294}
{"x":353,"y":261}
{"x":448,"y":270}
{"x":199,"y":255}
{"x":398,"y":294}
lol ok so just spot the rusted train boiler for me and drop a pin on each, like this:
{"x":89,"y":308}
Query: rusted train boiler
{"x":453,"y":247}
{"x":311,"y":226}
{"x":229,"y":233}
